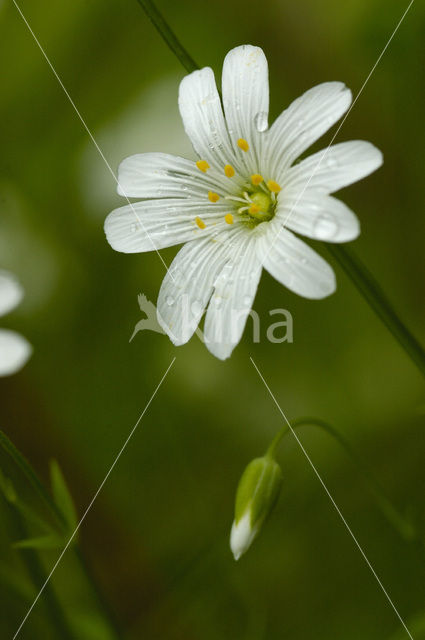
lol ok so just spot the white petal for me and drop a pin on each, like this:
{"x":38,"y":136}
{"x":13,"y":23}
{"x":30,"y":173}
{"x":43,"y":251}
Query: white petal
{"x":14,"y":352}
{"x":231,"y":302}
{"x":160,"y":175}
{"x":189,"y":283}
{"x":154,"y":224}
{"x":295,"y":264}
{"x":335,"y":167}
{"x":11,"y":292}
{"x":245,"y":84}
{"x":202,"y":115}
{"x":304,"y":122}
{"x":319,"y":217}
{"x":242,"y":535}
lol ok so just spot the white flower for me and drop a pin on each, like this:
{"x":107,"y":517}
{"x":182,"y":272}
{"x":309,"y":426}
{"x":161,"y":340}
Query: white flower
{"x":14,"y":349}
{"x":237,"y":206}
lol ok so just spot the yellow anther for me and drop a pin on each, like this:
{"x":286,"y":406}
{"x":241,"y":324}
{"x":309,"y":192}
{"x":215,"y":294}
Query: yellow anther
{"x":201,"y":224}
{"x":228,"y":218}
{"x":202,"y":165}
{"x":229,"y":171}
{"x":242,"y":144}
{"x":254,"y":208}
{"x":256,"y":179}
{"x":213,"y":197}
{"x":273,"y":186}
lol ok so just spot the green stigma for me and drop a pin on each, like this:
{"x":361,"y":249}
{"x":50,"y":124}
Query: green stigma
{"x":262,"y":208}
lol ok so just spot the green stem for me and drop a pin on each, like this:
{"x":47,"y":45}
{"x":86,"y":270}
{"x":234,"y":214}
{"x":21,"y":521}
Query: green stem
{"x":169,"y":36}
{"x":359,"y":274}
{"x":376,"y":298}
{"x":38,"y":578}
{"x":403,"y":527}
{"x":22,"y":463}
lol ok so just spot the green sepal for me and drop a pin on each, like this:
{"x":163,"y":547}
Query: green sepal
{"x":258,"y":490}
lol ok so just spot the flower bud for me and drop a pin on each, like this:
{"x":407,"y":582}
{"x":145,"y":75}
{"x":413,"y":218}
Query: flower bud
{"x":256,"y":496}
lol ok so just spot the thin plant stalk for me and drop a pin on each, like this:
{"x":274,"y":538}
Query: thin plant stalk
{"x":403,"y":527}
{"x":168,"y":35}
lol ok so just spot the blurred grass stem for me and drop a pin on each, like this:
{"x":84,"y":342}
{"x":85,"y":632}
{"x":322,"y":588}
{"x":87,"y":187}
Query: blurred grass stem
{"x":38,"y":576}
{"x":38,"y":573}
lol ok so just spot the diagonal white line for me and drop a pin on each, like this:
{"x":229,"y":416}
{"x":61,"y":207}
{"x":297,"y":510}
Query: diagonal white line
{"x":322,"y":157}
{"x":117,"y":457}
{"x":83,"y":122}
{"x":347,"y":526}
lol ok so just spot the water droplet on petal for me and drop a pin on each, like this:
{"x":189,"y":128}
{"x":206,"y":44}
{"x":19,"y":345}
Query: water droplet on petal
{"x":260,"y":121}
{"x":196,"y":307}
{"x":169,"y":300}
{"x":325,"y":227}
{"x":331,"y":162}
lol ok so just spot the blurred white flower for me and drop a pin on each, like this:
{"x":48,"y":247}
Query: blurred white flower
{"x":14,"y":349}
{"x":237,"y":206}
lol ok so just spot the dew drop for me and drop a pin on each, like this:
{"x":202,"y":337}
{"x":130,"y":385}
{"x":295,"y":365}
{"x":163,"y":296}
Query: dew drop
{"x":170,"y":301}
{"x":196,"y":307}
{"x":260,"y":121}
{"x":325,"y":227}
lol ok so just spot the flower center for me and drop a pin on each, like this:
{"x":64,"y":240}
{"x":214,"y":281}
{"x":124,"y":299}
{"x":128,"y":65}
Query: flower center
{"x":255,"y":203}
{"x":262,"y":207}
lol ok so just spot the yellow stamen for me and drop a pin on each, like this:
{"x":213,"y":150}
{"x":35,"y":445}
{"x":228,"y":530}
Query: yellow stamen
{"x":229,"y":171}
{"x":256,"y":179}
{"x":213,"y":197}
{"x":201,"y":224}
{"x":254,"y":208}
{"x":242,"y":144}
{"x":228,"y":218}
{"x":202,"y":165}
{"x":273,"y":186}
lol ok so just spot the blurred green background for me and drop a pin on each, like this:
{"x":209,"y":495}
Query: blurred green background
{"x":157,"y":537}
